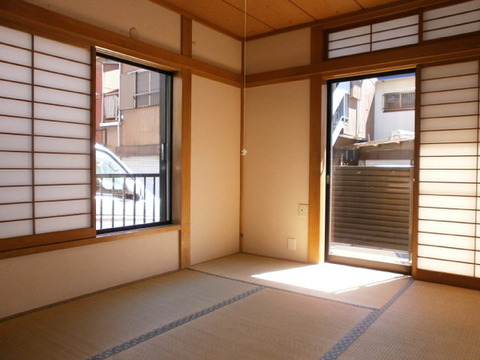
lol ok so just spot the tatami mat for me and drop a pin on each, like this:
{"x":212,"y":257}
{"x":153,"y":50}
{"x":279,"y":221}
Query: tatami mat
{"x":353,"y":285}
{"x":428,"y":322}
{"x":270,"y":324}
{"x":247,"y":307}
{"x":82,"y":328}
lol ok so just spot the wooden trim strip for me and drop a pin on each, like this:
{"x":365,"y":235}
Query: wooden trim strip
{"x":38,"y":202}
{"x":185,"y":215}
{"x":93,"y":126}
{"x":317,"y":45}
{"x":63,"y":122}
{"x":21,"y":242}
{"x":445,"y":78}
{"x":450,"y":103}
{"x":87,"y":240}
{"x":186,"y":36}
{"x":315,"y":251}
{"x":62,"y":90}
{"x":455,"y":14}
{"x":453,"y":48}
{"x":448,"y":279}
{"x":27,"y":17}
{"x":46,"y":103}
{"x":448,"y":27}
{"x":451,"y":248}
{"x":58,"y":57}
{"x":49,"y":120}
{"x":32,"y":121}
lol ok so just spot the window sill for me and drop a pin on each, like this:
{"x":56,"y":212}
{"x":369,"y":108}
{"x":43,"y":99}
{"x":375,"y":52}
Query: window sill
{"x":90,"y":241}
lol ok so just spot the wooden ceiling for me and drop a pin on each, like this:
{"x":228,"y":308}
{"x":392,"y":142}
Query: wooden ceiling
{"x":265,"y":16}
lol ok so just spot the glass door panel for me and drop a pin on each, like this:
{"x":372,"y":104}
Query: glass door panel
{"x":371,"y":154}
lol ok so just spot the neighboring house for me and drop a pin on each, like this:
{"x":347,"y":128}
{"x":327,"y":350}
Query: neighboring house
{"x":128,"y":114}
{"x":373,"y":121}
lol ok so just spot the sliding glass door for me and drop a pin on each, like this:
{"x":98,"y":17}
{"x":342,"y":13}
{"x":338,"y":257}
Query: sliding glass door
{"x":371,"y":154}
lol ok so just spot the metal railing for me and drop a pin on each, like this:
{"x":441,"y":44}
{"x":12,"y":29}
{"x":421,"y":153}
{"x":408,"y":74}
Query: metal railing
{"x":127,"y":200}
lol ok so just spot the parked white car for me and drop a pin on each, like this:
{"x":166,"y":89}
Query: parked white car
{"x":123,"y":198}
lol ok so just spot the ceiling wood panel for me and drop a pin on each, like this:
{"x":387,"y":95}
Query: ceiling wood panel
{"x":266,"y":16}
{"x":219,"y":14}
{"x":277,"y":14}
{"x":323,"y":9}
{"x":368,"y":4}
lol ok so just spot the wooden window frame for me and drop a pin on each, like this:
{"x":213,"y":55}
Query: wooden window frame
{"x":165,"y":139}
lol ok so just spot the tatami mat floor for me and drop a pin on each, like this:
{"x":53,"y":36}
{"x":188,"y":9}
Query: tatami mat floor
{"x":251,"y":307}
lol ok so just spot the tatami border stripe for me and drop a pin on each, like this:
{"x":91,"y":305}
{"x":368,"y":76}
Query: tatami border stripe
{"x":358,"y":330}
{"x":288,"y":291}
{"x":159,"y":331}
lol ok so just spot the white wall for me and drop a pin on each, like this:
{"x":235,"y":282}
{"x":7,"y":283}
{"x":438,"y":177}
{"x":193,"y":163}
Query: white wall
{"x":151,"y":23}
{"x":33,"y":281}
{"x":276,"y":169}
{"x":215,"y":170}
{"x":280,"y":51}
{"x":216,"y":48}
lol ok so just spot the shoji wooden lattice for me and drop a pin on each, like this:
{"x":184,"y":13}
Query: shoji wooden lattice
{"x":449,"y":174}
{"x":436,"y":23}
{"x":45,"y":135}
{"x":378,"y":36}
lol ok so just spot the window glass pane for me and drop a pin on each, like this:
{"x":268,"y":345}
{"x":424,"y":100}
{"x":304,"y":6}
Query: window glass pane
{"x":408,"y":100}
{"x":371,"y":153}
{"x":398,"y":101}
{"x":133,"y":147}
{"x":155,"y":81}
{"x":142,"y":82}
{"x":391,"y":101}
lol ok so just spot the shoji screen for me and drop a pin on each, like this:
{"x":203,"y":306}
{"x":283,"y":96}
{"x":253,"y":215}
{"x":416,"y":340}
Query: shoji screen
{"x":45,"y":136}
{"x":451,"y":20}
{"x":383,"y":35}
{"x":449,"y":182}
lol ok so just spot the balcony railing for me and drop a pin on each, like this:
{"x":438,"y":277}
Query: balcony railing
{"x":127,"y":200}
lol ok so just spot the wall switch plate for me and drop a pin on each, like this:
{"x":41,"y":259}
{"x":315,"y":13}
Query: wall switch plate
{"x":292,"y":244}
{"x":302,"y":209}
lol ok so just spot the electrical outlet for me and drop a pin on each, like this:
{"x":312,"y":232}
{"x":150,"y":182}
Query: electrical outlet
{"x":292,"y":244}
{"x":302,"y":209}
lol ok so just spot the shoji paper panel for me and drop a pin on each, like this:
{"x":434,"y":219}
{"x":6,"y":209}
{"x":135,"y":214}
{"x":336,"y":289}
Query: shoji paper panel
{"x":44,"y":135}
{"x":16,"y":195}
{"x":449,"y":175}
{"x":378,"y":36}
{"x":61,"y":135}
{"x":451,"y":20}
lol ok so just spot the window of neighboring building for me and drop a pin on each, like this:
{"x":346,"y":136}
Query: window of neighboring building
{"x":133,"y":147}
{"x":399,"y":101}
{"x":147,"y":88}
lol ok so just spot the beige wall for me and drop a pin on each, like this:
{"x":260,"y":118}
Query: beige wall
{"x":276,"y":169}
{"x":216,"y":48}
{"x":215,"y":186}
{"x":152,"y":24}
{"x":279,"y":51}
{"x":32,"y":281}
